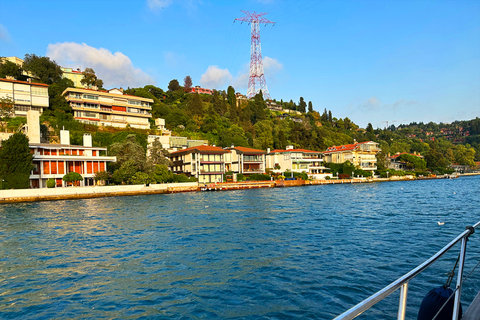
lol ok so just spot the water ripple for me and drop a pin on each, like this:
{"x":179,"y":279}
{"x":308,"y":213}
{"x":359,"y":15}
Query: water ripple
{"x":293,"y":253}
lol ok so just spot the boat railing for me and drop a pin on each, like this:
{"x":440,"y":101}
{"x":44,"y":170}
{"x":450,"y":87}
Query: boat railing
{"x":402,"y":282}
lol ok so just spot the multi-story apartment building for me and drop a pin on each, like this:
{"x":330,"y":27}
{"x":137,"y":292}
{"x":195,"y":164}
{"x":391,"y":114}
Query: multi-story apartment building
{"x":360,"y":154}
{"x":53,"y":161}
{"x":109,"y":108}
{"x":75,"y":75}
{"x":245,"y":160}
{"x":26,"y":95}
{"x":206,"y":163}
{"x":297,"y":160}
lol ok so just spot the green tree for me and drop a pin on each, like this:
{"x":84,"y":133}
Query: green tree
{"x":8,"y":68}
{"x":464,"y":155}
{"x":302,"y":105}
{"x":129,"y":150}
{"x":73,"y":177}
{"x":173,"y":85}
{"x":124,"y":174}
{"x":234,"y":135}
{"x":161,"y":174}
{"x":158,"y":155}
{"x":310,"y":106}
{"x":141,"y":178}
{"x":195,"y":105}
{"x":15,"y":162}
{"x":263,"y":135}
{"x":7,"y":107}
{"x":231,"y":97}
{"x":90,"y":79}
{"x":412,"y":161}
{"x":42,"y":68}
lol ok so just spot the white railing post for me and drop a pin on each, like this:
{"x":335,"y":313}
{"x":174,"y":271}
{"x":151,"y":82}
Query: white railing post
{"x":402,"y":305}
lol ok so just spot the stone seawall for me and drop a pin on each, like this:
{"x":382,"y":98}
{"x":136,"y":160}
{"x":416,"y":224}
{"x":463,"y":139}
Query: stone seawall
{"x":47,"y":194}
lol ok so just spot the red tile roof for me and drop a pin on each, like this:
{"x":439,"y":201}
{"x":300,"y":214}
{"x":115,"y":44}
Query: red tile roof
{"x":345,"y":147}
{"x":202,"y":149}
{"x":25,"y":82}
{"x":294,"y":150}
{"x":245,"y":150}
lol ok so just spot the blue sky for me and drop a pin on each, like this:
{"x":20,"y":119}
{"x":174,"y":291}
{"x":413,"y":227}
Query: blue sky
{"x":371,"y":60}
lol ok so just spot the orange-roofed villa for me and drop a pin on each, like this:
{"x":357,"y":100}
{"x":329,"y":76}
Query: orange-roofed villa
{"x":297,"y":160}
{"x":206,"y":163}
{"x":360,"y":154}
{"x":244,"y":160}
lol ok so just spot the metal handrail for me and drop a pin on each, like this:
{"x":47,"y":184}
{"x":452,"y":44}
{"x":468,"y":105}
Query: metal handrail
{"x":403,"y":282}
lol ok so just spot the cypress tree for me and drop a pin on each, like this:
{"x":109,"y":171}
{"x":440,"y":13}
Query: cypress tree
{"x":15,"y":162}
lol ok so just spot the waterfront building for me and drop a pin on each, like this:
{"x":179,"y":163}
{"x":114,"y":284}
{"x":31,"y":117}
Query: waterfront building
{"x":241,"y":100}
{"x":75,"y":75}
{"x":245,"y":161}
{"x":53,"y":161}
{"x":26,"y":95}
{"x":206,"y":163}
{"x":360,"y":154}
{"x":297,"y":160}
{"x":109,"y":108}
{"x":199,"y":89}
{"x":392,"y":162}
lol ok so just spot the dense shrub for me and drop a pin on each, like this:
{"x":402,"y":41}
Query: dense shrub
{"x":51,"y":183}
{"x":259,"y":177}
{"x":343,"y":176}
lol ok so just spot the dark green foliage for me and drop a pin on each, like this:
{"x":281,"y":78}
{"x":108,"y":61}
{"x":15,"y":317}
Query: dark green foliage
{"x":42,"y":68}
{"x":51,"y":183}
{"x":72,"y":177}
{"x":125,"y":172}
{"x":232,"y":98}
{"x":90,"y":79}
{"x":8,"y":68}
{"x":173,"y":85}
{"x":15,"y":162}
{"x":258,"y":177}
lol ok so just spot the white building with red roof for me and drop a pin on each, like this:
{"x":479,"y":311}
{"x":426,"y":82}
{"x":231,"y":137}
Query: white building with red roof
{"x":297,"y":160}
{"x":206,"y":163}
{"x":244,"y":160}
{"x":360,"y":154}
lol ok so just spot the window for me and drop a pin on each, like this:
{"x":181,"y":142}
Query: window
{"x":89,"y":96}
{"x":91,"y":105}
{"x":135,"y":102}
{"x":40,"y":91}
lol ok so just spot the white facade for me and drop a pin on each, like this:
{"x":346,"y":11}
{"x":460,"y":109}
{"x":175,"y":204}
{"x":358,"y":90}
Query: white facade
{"x":112,"y":108}
{"x":25,"y":95}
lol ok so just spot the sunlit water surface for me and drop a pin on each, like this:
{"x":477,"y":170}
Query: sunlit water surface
{"x":285,"y":253}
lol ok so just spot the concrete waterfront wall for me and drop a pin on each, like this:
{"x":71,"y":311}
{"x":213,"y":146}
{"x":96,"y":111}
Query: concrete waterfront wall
{"x":27,"y":195}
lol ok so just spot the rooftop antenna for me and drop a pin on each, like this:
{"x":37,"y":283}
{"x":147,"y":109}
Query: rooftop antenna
{"x":256,"y":80}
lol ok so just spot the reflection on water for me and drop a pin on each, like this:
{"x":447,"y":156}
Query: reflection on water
{"x":302,"y":253}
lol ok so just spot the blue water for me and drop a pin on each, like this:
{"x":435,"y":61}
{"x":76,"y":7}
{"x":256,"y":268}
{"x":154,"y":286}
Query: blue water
{"x":286,"y":253}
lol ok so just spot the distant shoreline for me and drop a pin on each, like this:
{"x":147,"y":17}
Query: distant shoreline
{"x":72,"y":193}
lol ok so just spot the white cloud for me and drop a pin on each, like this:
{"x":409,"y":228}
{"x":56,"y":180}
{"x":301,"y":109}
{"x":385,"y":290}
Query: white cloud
{"x":4,"y":35}
{"x":158,"y":4}
{"x":115,"y":69}
{"x":215,"y":78}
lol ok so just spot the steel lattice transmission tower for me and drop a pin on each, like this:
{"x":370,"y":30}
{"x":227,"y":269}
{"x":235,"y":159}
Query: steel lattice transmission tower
{"x":256,"y":80}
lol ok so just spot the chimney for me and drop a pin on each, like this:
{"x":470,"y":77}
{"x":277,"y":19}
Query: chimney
{"x":33,"y":124}
{"x":268,"y":150}
{"x":65,"y":137}
{"x":232,"y":146}
{"x":87,"y":140}
{"x":289,"y":148}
